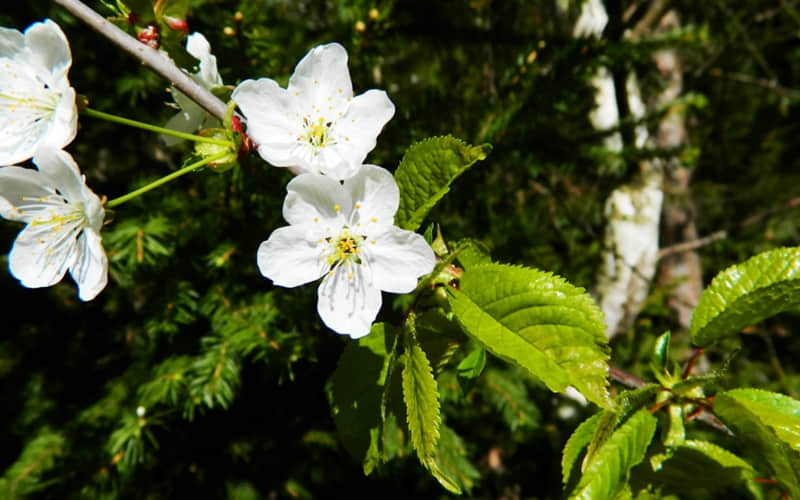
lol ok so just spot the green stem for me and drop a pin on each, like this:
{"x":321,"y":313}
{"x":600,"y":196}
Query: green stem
{"x":152,"y":128}
{"x":174,"y":175}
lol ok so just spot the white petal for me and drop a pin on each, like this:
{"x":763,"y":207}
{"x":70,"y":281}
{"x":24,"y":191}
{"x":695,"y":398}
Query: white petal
{"x":41,"y":254}
{"x":11,"y":42}
{"x":322,"y":73}
{"x":49,"y":47}
{"x":312,"y":196}
{"x":376,"y":192}
{"x":90,"y":269}
{"x":358,"y":129}
{"x":207,"y":75}
{"x":291,"y":257}
{"x":347,"y":302}
{"x":18,"y":184}
{"x":64,"y":123}
{"x":397,"y":258}
{"x":62,"y":172}
{"x":268,"y":109}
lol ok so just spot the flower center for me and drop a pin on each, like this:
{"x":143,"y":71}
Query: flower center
{"x":317,"y":134}
{"x":346,"y":247}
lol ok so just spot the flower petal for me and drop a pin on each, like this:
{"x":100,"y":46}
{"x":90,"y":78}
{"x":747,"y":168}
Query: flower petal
{"x":322,"y":73}
{"x":90,"y":268}
{"x":64,"y":122}
{"x":291,"y":257}
{"x":397,"y":258}
{"x":375,"y":191}
{"x":271,"y":120}
{"x":18,"y":186}
{"x":41,"y":254}
{"x":316,"y":199}
{"x":49,"y":48}
{"x":347,"y":302}
{"x":359,"y":127}
{"x":61,"y":171}
{"x":11,"y":42}
{"x":207,"y":74}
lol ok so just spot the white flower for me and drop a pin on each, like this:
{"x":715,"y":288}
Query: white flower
{"x":314,"y":124}
{"x":345,"y":232}
{"x":37,"y":104}
{"x":192,"y":116}
{"x":64,"y":218}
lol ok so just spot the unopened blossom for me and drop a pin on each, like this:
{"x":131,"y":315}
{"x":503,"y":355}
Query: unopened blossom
{"x":343,"y":232}
{"x":64,"y":218}
{"x":192,"y":116}
{"x":315,"y":124}
{"x":37,"y":104}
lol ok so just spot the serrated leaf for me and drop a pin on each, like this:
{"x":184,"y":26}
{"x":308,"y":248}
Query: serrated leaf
{"x":422,"y":400}
{"x":539,"y":321}
{"x":357,"y":392}
{"x":747,"y":293}
{"x":606,"y":474}
{"x":450,"y":464}
{"x":720,"y":468}
{"x":472,"y":253}
{"x":579,"y":439}
{"x":426,"y":172}
{"x":778,"y":411}
{"x":782,"y":461}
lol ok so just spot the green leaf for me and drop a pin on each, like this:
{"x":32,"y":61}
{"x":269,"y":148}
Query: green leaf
{"x":422,"y":400}
{"x":661,"y":352}
{"x":782,"y":462}
{"x":357,"y":393}
{"x":579,"y":439}
{"x":426,"y":172}
{"x":606,"y":473}
{"x":778,"y":411}
{"x":473,"y":363}
{"x":472,"y":253}
{"x":450,"y":464}
{"x":679,"y":468}
{"x":747,"y":293}
{"x":539,"y":321}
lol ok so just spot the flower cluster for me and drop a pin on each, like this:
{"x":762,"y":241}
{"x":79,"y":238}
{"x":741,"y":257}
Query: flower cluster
{"x":38,"y":117}
{"x":341,"y":212}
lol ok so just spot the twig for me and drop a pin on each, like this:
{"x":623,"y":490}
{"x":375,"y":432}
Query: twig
{"x":770,"y":84}
{"x":150,"y":57}
{"x":688,"y":246}
{"x":720,"y":235}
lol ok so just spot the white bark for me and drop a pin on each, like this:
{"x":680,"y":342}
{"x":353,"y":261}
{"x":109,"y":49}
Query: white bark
{"x":633,"y":210}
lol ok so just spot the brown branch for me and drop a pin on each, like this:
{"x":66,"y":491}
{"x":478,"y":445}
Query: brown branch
{"x":720,"y":235}
{"x":688,"y":246}
{"x":158,"y":62}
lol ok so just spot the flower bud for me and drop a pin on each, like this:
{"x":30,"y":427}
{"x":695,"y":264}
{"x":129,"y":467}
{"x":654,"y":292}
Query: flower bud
{"x":229,"y":152}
